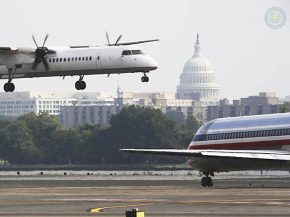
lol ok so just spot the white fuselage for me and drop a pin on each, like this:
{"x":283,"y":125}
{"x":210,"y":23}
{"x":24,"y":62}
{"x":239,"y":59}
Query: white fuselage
{"x":260,"y":132}
{"x":83,"y":60}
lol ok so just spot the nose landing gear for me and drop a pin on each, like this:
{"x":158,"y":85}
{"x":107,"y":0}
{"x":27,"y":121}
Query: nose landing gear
{"x":80,"y":84}
{"x":144,"y":78}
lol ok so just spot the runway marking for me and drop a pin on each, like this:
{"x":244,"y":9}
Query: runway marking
{"x":96,"y":210}
{"x":271,"y":202}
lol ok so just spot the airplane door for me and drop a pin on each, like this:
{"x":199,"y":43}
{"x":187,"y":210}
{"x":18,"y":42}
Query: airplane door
{"x":99,"y":62}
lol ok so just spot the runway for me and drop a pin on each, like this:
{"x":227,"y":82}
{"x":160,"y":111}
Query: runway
{"x":77,"y":195}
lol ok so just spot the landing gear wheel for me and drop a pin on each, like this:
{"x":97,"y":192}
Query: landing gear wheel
{"x":80,"y":85}
{"x":203,"y":182}
{"x":83,"y":85}
{"x":144,"y":78}
{"x":77,"y":85}
{"x":206,"y":182}
{"x":209,"y":182}
{"x":9,"y":87}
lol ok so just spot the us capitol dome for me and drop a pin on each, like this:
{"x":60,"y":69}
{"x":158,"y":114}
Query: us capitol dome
{"x":198,"y":80}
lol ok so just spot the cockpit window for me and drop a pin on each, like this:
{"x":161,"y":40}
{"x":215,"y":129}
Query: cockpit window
{"x":126,"y":52}
{"x":135,"y":52}
{"x":130,"y":52}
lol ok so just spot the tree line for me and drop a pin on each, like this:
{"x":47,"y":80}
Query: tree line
{"x":41,"y":139}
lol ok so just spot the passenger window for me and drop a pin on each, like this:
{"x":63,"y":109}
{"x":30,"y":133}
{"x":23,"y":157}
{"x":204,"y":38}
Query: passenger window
{"x":49,"y":60}
{"x":60,"y":59}
{"x":53,"y":60}
{"x":64,"y":59}
{"x":80,"y":58}
{"x":234,"y":135}
{"x":68,"y":59}
{"x":56,"y":59}
{"x":90,"y":58}
{"x":87,"y":58}
{"x":209,"y":137}
{"x":83,"y":59}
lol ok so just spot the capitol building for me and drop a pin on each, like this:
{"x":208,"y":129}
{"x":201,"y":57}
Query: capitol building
{"x":198,"y":80}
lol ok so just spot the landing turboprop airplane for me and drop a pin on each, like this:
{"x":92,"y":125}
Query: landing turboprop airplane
{"x":260,"y":142}
{"x":109,"y":59}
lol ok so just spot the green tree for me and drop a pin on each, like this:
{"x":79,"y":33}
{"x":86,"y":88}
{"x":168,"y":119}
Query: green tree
{"x":138,"y":127}
{"x":43,"y":127}
{"x":188,"y":130}
{"x":192,"y":123}
{"x":64,"y":146}
{"x":5,"y":144}
{"x":285,"y":107}
{"x":21,"y":148}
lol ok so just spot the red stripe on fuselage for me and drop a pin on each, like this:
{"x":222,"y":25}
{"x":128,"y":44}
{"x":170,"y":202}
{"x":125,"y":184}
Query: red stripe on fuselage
{"x":270,"y":144}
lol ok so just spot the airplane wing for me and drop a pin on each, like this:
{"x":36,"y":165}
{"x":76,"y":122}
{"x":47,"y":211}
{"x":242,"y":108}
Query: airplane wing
{"x":135,"y":42}
{"x":247,"y":154}
{"x":14,"y":50}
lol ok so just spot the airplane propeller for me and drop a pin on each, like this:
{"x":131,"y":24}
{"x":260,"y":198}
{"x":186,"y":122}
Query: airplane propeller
{"x":40,"y":53}
{"x":116,"y":43}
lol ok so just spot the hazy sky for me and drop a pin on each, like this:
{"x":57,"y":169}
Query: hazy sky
{"x":246,"y":54}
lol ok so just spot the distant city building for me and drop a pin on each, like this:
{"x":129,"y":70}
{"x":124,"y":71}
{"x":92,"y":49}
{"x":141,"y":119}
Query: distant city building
{"x":75,"y":109}
{"x":264,"y":103}
{"x":17,"y":103}
{"x":175,"y":109}
{"x":181,"y":113}
{"x":20,"y":103}
{"x":198,"y":80}
{"x":73,"y":116}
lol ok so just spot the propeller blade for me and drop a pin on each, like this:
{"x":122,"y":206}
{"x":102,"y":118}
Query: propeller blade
{"x":120,"y":36}
{"x":45,"y":40}
{"x":46,"y":66}
{"x":107,"y":35}
{"x":137,"y":42}
{"x":35,"y":63}
{"x":34,"y":41}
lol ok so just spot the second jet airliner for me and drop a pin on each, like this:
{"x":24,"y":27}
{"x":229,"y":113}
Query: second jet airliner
{"x":260,"y":142}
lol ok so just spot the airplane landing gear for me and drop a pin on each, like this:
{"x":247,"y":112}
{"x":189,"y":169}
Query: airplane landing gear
{"x":206,"y":181}
{"x":9,"y":86}
{"x":80,"y":84}
{"x":144,"y":78}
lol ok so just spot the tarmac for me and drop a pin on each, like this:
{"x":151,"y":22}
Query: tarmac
{"x":111,"y":196}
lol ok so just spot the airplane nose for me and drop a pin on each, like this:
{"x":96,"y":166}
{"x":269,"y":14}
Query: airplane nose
{"x":153,"y":64}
